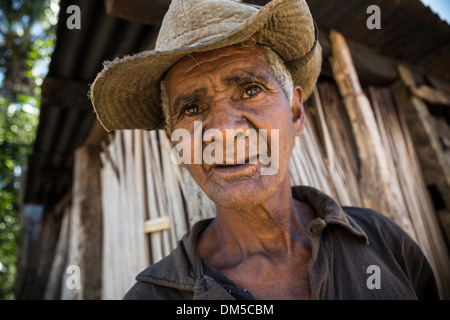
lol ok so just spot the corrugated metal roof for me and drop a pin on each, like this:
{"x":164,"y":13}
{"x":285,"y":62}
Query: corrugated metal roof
{"x":409,"y":32}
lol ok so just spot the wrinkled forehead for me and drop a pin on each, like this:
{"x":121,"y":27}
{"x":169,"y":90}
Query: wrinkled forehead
{"x":209,"y":61}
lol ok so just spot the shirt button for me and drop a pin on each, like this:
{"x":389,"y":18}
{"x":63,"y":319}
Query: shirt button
{"x":316,"y":226}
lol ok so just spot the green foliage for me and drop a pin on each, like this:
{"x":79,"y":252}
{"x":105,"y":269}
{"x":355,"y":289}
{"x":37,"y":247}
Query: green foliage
{"x":17,"y":134}
{"x":27,"y":32}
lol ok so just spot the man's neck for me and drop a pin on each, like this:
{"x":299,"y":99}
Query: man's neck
{"x":275,"y":229}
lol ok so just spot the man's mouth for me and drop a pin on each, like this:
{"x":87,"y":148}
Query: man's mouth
{"x":236,"y":162}
{"x":236,"y":169}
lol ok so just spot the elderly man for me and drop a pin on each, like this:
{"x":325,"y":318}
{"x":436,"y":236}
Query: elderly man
{"x":223,"y":65}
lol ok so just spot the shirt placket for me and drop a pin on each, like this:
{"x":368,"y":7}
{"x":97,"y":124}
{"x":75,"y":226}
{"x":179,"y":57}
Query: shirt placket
{"x":317,"y":266}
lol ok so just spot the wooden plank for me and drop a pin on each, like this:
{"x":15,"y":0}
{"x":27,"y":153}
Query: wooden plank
{"x":424,"y":92}
{"x":107,"y":262}
{"x":140,"y":198}
{"x":152,"y":204}
{"x":431,"y":95}
{"x":438,"y":83}
{"x":342,"y":137}
{"x":97,"y":135}
{"x":158,"y":224}
{"x":342,"y":169}
{"x":307,"y":165}
{"x":325,"y":135}
{"x":172,"y":188}
{"x":142,"y":11}
{"x":54,"y":282}
{"x":65,"y":93}
{"x":125,"y":244}
{"x":198,"y":205}
{"x":132,"y":223}
{"x":113,"y":207}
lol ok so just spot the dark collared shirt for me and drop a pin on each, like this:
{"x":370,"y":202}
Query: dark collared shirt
{"x":356,"y":254}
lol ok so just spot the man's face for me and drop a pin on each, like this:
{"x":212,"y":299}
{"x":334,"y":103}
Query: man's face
{"x":233,"y":89}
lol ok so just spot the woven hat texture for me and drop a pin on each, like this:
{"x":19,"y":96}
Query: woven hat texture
{"x":126,"y":93}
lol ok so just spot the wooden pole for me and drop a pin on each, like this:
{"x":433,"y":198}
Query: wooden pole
{"x":374,"y":172}
{"x":85,"y":226}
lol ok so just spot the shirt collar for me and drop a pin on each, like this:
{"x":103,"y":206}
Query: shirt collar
{"x":328,"y":212}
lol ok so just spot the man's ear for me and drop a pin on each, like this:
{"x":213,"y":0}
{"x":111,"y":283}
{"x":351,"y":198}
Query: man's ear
{"x":168,"y":134}
{"x":298,"y":112}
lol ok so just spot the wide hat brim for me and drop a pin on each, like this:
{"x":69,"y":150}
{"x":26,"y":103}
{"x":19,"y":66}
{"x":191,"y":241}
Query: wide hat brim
{"x":126,"y":93}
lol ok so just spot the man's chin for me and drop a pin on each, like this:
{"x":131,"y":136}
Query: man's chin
{"x":244,"y":195}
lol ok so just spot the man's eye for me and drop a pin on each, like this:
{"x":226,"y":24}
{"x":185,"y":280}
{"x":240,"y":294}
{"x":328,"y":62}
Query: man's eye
{"x":191,"y":110}
{"x":251,"y":91}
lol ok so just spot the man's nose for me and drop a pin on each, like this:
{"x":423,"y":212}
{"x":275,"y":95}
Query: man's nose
{"x":226,"y":116}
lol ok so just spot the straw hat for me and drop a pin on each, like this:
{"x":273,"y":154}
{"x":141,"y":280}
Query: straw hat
{"x":126,"y":94}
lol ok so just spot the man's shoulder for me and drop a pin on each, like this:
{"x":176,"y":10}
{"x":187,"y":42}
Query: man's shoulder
{"x":397,"y":248}
{"x":387,"y":238}
{"x":169,"y":278}
{"x":378,"y":226}
{"x":173,"y":270}
{"x":173,"y":277}
{"x":370,"y":218}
